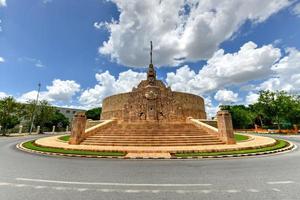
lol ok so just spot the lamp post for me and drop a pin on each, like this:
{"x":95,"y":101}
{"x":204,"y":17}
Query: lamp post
{"x":35,"y":104}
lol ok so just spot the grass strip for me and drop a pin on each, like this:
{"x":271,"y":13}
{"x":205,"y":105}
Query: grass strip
{"x":31,"y":145}
{"x":279,"y":144}
{"x":64,"y":138}
{"x":239,"y":137}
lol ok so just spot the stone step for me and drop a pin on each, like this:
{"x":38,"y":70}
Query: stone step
{"x":152,"y":144}
{"x":151,"y":139}
{"x":153,"y":136}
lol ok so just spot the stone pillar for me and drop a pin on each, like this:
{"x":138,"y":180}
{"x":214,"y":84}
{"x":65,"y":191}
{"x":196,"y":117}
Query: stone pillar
{"x":225,"y":127}
{"x":67,"y":129}
{"x":256,"y":128}
{"x":38,"y":129}
{"x":20,"y":129}
{"x":78,"y":128}
{"x":53,"y":129}
{"x":295,"y":128}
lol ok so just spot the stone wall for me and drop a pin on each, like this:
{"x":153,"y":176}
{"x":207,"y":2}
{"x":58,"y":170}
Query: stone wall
{"x":183,"y":104}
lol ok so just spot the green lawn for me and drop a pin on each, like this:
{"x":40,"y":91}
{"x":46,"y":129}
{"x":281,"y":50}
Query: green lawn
{"x":279,"y":144}
{"x":64,"y":138}
{"x":239,"y":137}
{"x":33,"y":146}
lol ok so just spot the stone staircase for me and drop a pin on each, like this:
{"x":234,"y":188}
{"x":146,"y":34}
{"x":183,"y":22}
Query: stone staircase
{"x":152,"y":134}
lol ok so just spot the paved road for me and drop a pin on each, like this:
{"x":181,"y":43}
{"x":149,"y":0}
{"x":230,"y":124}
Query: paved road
{"x":34,"y":177}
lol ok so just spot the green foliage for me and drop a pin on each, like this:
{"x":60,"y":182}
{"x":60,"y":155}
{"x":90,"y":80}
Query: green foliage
{"x":242,"y":116}
{"x":9,"y":113}
{"x":94,"y":113}
{"x":273,"y":110}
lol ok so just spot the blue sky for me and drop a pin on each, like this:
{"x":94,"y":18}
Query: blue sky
{"x":60,"y":44}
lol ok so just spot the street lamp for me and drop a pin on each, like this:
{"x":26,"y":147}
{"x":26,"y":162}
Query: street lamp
{"x":35,"y":104}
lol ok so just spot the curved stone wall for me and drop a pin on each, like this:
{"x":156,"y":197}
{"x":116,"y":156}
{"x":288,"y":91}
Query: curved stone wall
{"x":113,"y":106}
{"x":185,"y":105}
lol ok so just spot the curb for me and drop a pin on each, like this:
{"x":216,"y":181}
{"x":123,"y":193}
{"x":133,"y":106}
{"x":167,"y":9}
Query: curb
{"x":289,"y":148}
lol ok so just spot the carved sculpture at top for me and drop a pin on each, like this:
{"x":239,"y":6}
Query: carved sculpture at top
{"x":153,"y":101}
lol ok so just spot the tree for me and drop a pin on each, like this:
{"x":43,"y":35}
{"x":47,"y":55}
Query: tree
{"x":57,"y":119}
{"x":94,"y":113}
{"x":242,"y":116}
{"x":9,"y":113}
{"x":278,"y":107}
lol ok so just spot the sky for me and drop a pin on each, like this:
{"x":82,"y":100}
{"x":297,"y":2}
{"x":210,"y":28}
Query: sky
{"x":82,"y":51}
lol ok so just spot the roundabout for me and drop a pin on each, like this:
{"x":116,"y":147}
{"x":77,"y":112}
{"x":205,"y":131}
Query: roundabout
{"x":32,"y":176}
{"x":248,"y":145}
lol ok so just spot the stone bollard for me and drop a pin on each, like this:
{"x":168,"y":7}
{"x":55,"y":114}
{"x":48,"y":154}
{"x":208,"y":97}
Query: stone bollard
{"x":67,"y":129}
{"x":20,"y":129}
{"x":225,"y":127}
{"x":256,"y":128}
{"x":38,"y":129}
{"x":295,"y":129}
{"x":78,"y":128}
{"x":53,"y":129}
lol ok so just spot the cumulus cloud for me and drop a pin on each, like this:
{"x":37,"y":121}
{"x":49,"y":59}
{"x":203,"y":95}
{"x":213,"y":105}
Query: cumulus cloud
{"x":181,"y":30}
{"x":251,"y":98}
{"x":296,"y":9}
{"x":226,"y":96}
{"x":210,"y":109}
{"x":3,"y":95}
{"x":286,"y":73}
{"x":59,"y":91}
{"x":1,"y":59}
{"x":2,"y":3}
{"x":108,"y":85}
{"x":221,"y":70}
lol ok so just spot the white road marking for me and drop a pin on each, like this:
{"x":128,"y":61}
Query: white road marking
{"x":132,"y":191}
{"x":232,"y":191}
{"x":40,"y":187}
{"x":204,"y":191}
{"x":60,"y":188}
{"x":155,"y":191}
{"x":105,"y":190}
{"x":279,"y":182}
{"x":253,"y":190}
{"x":20,"y":185}
{"x":82,"y":189}
{"x":116,"y":184}
{"x":3,"y":183}
{"x":276,"y":189}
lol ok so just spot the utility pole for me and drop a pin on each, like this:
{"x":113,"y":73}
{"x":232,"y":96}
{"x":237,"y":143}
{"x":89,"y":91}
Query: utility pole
{"x":34,"y":109}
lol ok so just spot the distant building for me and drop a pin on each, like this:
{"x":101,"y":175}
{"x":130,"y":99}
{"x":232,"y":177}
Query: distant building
{"x":69,"y":112}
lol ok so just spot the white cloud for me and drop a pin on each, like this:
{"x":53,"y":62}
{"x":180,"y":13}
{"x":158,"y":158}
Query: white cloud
{"x":59,"y":91}
{"x":3,"y":95}
{"x":296,"y":9}
{"x":210,"y":109}
{"x":34,"y":61}
{"x":251,"y":98}
{"x":286,"y":73}
{"x":226,"y":96}
{"x":181,"y":30}
{"x":62,"y":90}
{"x":2,"y":3}
{"x":2,"y":59}
{"x":109,"y":85}
{"x":249,"y":63}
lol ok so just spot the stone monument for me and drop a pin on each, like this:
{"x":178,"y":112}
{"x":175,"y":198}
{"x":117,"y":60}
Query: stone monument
{"x":152,"y":115}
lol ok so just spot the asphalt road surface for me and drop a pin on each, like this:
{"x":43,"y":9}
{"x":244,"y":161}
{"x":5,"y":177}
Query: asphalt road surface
{"x":35,"y":177}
